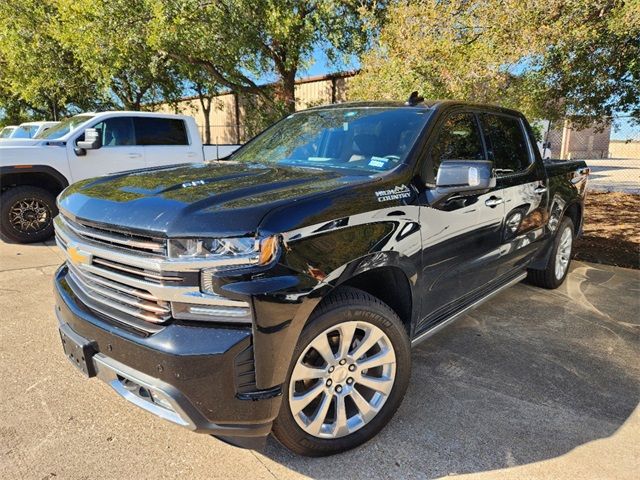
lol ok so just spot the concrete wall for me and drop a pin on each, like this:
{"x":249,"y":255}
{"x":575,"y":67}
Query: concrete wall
{"x":566,"y":142}
{"x":623,"y":149}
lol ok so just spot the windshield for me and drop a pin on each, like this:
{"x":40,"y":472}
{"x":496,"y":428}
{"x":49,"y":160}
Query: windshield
{"x":6,"y":132}
{"x":25,"y":131}
{"x":64,"y":127}
{"x":370,"y":139}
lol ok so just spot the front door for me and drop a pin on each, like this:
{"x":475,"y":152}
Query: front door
{"x":461,"y":237}
{"x":118,"y":153}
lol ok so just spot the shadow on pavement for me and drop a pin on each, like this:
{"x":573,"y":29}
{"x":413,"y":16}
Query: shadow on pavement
{"x":527,"y":377}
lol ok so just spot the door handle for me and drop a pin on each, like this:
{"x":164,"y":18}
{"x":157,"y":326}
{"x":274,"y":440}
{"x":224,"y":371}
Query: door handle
{"x":540,"y":190}
{"x":493,"y":202}
{"x":191,"y":154}
{"x":134,"y":155}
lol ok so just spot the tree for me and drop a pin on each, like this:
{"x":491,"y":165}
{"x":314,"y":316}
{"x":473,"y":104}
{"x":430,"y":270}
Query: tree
{"x":39,"y":77}
{"x":549,"y":58}
{"x":111,"y":40}
{"x":200,"y":83}
{"x":241,"y":42}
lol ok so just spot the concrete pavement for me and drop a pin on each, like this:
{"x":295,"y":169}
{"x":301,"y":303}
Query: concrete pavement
{"x":534,"y":384}
{"x":615,"y":175}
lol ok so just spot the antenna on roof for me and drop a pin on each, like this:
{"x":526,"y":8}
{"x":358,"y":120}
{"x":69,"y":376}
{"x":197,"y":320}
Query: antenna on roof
{"x":414,"y":99}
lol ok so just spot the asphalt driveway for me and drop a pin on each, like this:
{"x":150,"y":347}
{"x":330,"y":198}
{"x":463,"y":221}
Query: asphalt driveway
{"x":533,"y":384}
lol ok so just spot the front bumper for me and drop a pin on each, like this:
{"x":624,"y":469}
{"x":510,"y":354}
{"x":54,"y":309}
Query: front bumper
{"x":192,"y":371}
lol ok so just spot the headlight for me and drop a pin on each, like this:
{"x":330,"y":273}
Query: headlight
{"x":229,"y":251}
{"x":216,"y":255}
{"x":211,"y":248}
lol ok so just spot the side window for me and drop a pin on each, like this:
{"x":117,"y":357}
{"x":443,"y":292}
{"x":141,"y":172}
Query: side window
{"x":506,"y":143}
{"x":459,"y":139}
{"x":115,"y":132}
{"x":160,"y":131}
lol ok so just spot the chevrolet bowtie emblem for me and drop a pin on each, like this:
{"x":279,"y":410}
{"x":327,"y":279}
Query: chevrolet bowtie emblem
{"x":77,"y":256}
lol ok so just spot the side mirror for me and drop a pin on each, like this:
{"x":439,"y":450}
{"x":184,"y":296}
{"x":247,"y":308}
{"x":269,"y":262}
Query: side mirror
{"x":464,"y":176}
{"x":92,"y":140}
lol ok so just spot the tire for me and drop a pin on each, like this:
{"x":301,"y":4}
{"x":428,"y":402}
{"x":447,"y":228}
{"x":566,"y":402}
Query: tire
{"x":550,"y":277}
{"x":26,"y":214}
{"x":352,"y":313}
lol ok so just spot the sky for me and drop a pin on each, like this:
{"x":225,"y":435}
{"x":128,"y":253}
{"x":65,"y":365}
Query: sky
{"x":322,"y":66}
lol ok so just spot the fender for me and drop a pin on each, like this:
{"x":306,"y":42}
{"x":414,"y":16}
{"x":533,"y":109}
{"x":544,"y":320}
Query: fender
{"x":15,"y":170}
{"x":308,"y":274}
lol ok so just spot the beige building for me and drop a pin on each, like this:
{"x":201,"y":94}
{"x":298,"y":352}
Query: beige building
{"x":624,"y":149}
{"x":566,"y":142}
{"x":229,"y":122}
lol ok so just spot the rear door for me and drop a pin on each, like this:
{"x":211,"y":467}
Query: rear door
{"x":522,"y":184}
{"x":165,"y":141}
{"x":461,"y":237}
{"x":119,"y":151}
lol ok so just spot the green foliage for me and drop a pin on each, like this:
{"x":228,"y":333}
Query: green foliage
{"x":548,"y":58}
{"x":237,"y":41}
{"x":39,"y":77}
{"x":111,"y":40}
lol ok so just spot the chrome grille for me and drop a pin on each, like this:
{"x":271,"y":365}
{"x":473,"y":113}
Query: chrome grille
{"x":122,"y":283}
{"x":114,"y":238}
{"x":134,"y":271}
{"x":98,"y":292}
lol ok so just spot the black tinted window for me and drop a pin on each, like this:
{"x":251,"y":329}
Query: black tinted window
{"x":160,"y":131}
{"x":506,"y":143}
{"x":115,"y":132}
{"x":459,"y":139}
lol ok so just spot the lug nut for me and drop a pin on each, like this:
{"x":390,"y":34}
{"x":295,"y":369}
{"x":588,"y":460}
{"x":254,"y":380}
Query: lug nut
{"x":329,"y":383}
{"x":352,"y":368}
{"x":343,"y":361}
{"x":331,"y":369}
{"x":349,"y":381}
{"x":338,"y":389}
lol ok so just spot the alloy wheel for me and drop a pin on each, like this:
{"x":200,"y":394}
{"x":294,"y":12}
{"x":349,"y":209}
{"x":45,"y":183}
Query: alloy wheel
{"x":342,"y":379}
{"x":563,"y":255}
{"x":29,"y":215}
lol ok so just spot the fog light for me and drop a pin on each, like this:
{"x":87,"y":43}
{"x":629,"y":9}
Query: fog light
{"x":212,"y":313}
{"x":160,"y":400}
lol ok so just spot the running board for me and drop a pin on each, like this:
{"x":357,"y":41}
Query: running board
{"x":439,"y":326}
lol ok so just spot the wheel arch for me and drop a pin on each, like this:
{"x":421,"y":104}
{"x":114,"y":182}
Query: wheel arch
{"x":390,"y":285}
{"x":41,"y":176}
{"x":575,"y":212}
{"x":386,"y":276}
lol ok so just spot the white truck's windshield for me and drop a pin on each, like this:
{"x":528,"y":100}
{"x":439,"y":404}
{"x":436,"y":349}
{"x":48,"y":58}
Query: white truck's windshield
{"x":356,"y":138}
{"x":64,"y":127}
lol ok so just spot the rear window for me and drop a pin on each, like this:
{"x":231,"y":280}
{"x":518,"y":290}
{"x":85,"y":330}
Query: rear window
{"x":160,"y":131}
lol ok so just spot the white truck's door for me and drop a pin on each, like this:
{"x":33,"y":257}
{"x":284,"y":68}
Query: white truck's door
{"x":166,"y":141}
{"x":119,"y":151}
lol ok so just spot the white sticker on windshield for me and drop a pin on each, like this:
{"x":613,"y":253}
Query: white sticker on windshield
{"x":376,"y":163}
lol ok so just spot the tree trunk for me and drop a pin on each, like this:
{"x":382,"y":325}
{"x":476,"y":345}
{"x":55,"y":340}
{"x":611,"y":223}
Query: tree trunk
{"x":287,"y":92}
{"x":205,"y":104}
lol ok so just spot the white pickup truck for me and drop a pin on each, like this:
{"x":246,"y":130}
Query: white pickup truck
{"x":33,"y":172}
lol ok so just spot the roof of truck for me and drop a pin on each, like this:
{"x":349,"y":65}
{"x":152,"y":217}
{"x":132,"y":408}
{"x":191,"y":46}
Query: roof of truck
{"x":426,"y":104}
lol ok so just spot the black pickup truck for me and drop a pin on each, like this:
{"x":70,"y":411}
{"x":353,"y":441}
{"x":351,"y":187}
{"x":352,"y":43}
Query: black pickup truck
{"x":281,"y":290}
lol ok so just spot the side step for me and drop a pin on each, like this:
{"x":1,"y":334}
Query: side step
{"x":440,"y":325}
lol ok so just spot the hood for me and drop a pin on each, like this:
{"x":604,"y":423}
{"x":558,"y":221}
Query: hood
{"x":222,"y":199}
{"x":28,"y":152}
{"x":20,"y":142}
